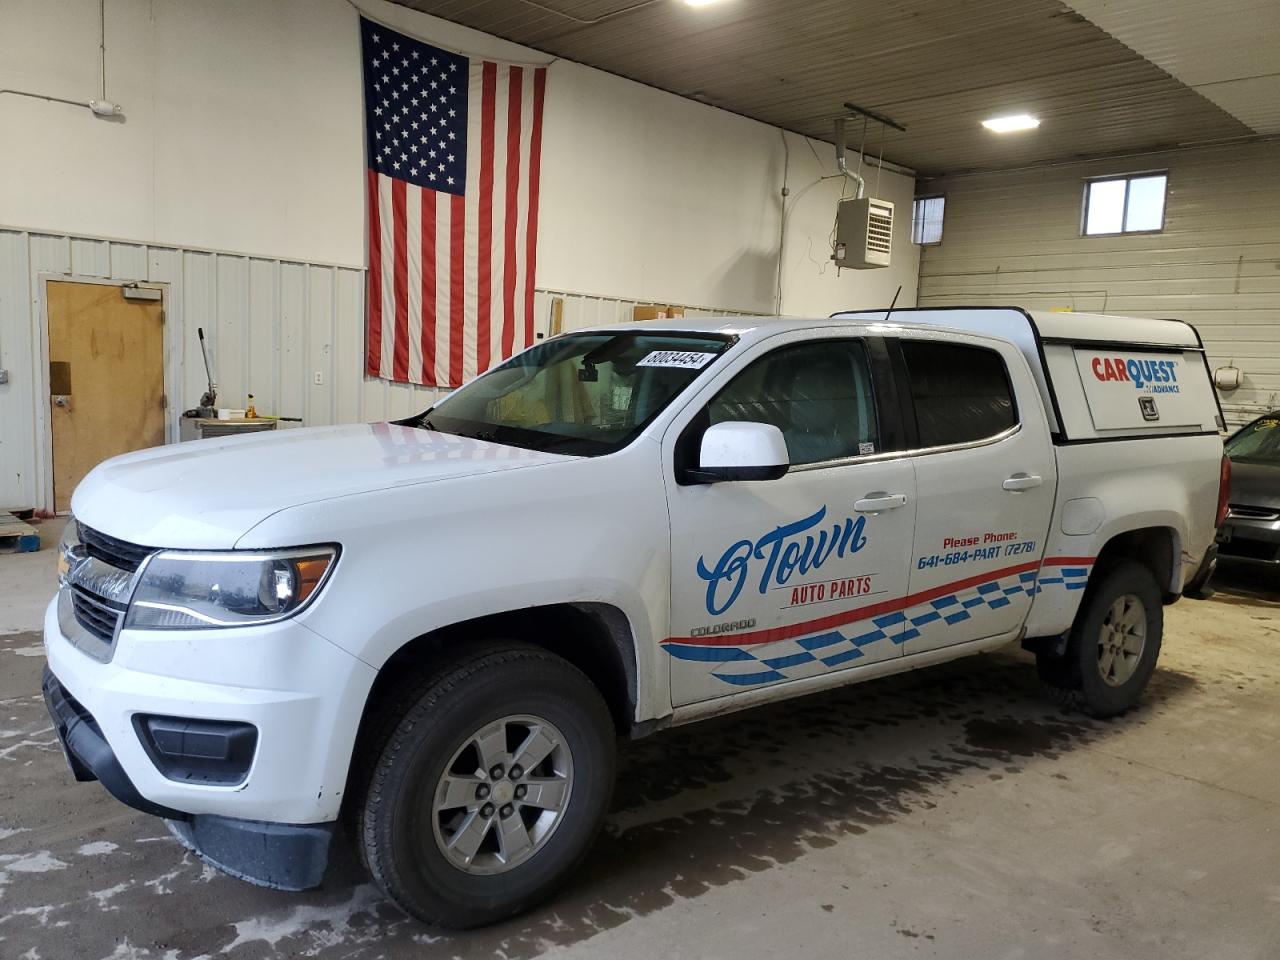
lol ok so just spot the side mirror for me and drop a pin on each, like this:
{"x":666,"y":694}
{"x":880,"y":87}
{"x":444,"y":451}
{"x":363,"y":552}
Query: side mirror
{"x":741,"y":451}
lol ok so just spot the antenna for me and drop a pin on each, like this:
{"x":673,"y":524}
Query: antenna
{"x":892,"y":304}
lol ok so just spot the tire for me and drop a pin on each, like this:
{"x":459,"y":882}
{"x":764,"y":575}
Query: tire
{"x":1113,"y":645}
{"x":519,"y":698}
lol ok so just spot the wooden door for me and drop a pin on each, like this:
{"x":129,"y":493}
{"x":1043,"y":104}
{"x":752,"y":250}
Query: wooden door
{"x":106,"y":378}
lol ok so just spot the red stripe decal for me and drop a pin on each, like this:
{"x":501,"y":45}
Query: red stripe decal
{"x":484,"y":271}
{"x":535,"y":172}
{"x":428,"y":286}
{"x":457,"y":257}
{"x":514,"y":101}
{"x":851,"y":616}
{"x":400,"y":281}
{"x":1067,"y":561}
{"x":373,"y":292}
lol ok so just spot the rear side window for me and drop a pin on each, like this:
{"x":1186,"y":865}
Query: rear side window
{"x":961,"y":393}
{"x":818,"y":393}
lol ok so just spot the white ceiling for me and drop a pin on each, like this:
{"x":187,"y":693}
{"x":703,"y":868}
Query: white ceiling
{"x":1227,"y":52}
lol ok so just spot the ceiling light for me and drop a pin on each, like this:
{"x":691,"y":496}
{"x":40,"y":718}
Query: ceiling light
{"x":700,"y":3}
{"x":1019,"y":121}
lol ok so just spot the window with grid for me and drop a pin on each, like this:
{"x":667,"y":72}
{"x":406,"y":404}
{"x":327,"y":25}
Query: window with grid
{"x":1130,"y":204}
{"x":926,"y":220}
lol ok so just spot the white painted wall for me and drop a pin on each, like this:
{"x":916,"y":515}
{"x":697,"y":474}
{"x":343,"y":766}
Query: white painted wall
{"x":1015,"y":238}
{"x":242,"y":133}
{"x":236,"y":177}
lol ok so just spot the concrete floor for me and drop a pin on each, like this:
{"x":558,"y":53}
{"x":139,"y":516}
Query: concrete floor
{"x":950,"y":813}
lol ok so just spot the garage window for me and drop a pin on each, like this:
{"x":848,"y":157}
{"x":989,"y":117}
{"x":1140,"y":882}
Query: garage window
{"x":926,"y":220}
{"x":1131,"y":204}
{"x":961,"y":393}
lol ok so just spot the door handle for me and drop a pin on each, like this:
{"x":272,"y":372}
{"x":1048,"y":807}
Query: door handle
{"x":879,"y":501}
{"x":1022,"y":481}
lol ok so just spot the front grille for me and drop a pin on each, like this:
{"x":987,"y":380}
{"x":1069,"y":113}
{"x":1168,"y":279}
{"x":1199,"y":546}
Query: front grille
{"x":1253,"y":513}
{"x":118,"y":553}
{"x":100,"y":617}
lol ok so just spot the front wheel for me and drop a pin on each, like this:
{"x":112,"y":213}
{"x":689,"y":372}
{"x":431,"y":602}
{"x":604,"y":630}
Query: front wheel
{"x":491,"y":788}
{"x":1113,"y":646}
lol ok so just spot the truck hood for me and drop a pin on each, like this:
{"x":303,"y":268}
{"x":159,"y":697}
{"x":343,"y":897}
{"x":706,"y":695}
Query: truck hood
{"x":206,"y":494}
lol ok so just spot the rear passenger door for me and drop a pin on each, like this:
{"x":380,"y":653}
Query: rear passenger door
{"x":985,"y":481}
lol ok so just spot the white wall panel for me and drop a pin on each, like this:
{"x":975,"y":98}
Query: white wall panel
{"x":1015,"y":238}
{"x":271,"y":326}
{"x":243,"y":132}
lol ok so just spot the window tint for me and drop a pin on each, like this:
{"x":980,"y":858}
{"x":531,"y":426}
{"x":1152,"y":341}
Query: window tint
{"x":1259,"y":442}
{"x":817,"y":393}
{"x":961,"y":393}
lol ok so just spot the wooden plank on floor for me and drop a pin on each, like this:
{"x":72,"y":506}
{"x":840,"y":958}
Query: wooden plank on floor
{"x":16,"y":536}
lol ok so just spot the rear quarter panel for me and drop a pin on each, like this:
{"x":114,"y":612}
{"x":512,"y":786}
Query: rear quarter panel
{"x":1106,"y":489}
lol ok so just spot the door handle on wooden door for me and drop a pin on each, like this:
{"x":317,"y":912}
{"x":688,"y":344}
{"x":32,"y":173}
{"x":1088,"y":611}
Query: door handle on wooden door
{"x":1022,"y":481}
{"x":879,"y":501}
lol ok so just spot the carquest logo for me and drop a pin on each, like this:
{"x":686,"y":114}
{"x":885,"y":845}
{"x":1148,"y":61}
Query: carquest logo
{"x":1160,"y":375}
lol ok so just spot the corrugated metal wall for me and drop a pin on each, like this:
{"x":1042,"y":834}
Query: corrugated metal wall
{"x":1015,"y":238}
{"x":274,"y":327}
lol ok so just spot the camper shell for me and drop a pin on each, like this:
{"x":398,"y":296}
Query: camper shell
{"x":1101,"y":377}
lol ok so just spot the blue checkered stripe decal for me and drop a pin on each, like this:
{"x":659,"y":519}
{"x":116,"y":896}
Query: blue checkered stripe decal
{"x":794,"y":658}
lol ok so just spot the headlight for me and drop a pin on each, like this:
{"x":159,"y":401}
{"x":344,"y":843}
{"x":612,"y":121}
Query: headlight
{"x":70,"y":550}
{"x":178,"y":590}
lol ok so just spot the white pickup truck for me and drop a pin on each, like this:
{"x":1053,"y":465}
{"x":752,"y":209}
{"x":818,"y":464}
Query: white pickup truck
{"x":434,"y":631}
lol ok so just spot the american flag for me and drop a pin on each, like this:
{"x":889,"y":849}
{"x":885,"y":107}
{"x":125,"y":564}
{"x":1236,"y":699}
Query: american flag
{"x":454,"y":146}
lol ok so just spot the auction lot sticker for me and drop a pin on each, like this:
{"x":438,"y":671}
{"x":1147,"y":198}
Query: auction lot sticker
{"x":682,"y":359}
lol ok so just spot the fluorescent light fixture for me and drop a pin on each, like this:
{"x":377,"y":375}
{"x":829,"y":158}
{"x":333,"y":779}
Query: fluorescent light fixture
{"x":700,"y":3}
{"x":1019,"y":121}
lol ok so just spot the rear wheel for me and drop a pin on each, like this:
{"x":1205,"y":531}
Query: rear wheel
{"x":1113,"y":645}
{"x":490,"y":789}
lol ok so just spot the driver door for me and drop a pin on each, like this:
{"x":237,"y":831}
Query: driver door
{"x":782,"y":580}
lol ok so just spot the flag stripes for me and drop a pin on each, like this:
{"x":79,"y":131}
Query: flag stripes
{"x":451,"y":268}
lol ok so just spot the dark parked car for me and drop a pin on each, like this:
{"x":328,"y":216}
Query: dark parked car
{"x":1252,"y":528}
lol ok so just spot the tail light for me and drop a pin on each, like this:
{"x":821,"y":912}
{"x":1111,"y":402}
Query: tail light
{"x":1224,"y":490}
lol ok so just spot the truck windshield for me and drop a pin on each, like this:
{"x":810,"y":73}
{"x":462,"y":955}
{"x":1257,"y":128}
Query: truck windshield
{"x":584,"y":394}
{"x":1259,"y":442}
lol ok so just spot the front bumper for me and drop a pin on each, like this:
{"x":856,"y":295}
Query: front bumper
{"x":303,"y":694}
{"x":283,"y":856}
